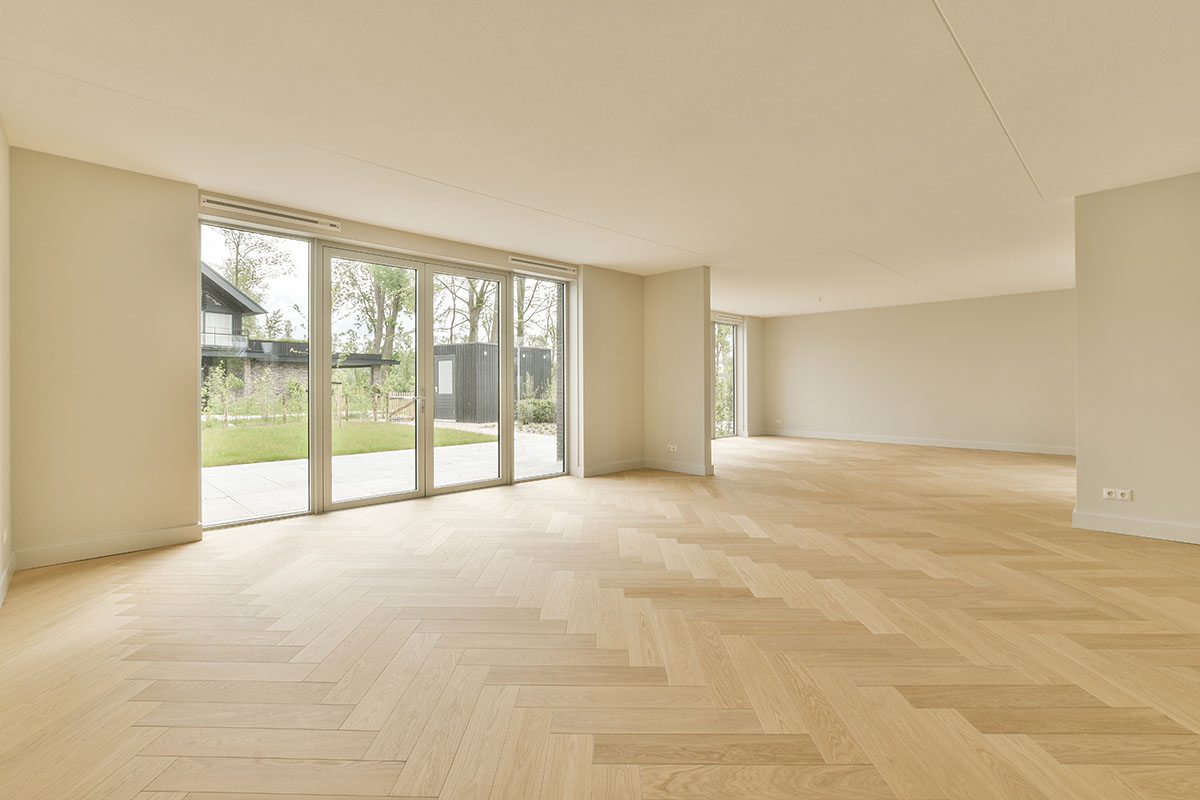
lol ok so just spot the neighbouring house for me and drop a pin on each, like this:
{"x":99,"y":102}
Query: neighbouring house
{"x":464,"y":383}
{"x":223,"y":339}
{"x":464,"y":378}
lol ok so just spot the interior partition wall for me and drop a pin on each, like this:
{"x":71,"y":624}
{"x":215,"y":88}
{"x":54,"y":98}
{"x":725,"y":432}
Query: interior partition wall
{"x":335,"y":375}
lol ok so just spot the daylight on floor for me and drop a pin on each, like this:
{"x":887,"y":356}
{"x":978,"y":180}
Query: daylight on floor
{"x":547,"y":400}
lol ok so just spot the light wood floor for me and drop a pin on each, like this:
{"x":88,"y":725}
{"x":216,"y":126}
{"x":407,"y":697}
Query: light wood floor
{"x":820,"y":620}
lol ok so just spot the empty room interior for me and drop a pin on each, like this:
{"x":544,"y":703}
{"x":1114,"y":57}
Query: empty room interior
{"x":557,"y":400}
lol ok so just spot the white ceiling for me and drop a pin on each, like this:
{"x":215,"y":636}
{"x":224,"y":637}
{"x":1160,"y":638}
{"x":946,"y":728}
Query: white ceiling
{"x":820,"y":155}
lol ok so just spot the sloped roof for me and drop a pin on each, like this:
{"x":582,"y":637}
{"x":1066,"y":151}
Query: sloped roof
{"x":235,"y":296}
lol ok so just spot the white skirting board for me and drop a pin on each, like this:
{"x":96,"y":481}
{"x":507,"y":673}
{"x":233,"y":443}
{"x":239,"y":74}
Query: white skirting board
{"x":106,"y":546}
{"x":592,"y":470}
{"x":962,"y":444}
{"x":645,"y":463}
{"x":1133,"y":526}
{"x":678,"y":466}
{"x":6,"y":578}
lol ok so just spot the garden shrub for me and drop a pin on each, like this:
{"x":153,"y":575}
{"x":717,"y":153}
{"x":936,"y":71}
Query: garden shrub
{"x":535,"y":409}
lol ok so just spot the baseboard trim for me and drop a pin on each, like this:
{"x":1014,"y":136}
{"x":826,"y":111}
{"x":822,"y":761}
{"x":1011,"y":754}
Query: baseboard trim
{"x":591,"y":471}
{"x":106,"y":546}
{"x":1134,"y":526}
{"x":6,"y":578}
{"x":678,"y":466}
{"x":645,"y":463}
{"x":961,"y":444}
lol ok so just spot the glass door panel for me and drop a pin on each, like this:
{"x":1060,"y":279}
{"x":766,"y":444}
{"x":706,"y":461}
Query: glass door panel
{"x":254,"y":369}
{"x":724,"y":381}
{"x":539,"y":437}
{"x":466,"y":379}
{"x":374,"y":402}
{"x":423,"y":390}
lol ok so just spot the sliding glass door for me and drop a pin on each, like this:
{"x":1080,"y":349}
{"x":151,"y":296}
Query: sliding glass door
{"x":539,"y":338}
{"x":373,"y":364}
{"x":425,"y":377}
{"x":467,"y":392}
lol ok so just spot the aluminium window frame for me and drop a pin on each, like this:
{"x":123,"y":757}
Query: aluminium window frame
{"x":318,"y":339}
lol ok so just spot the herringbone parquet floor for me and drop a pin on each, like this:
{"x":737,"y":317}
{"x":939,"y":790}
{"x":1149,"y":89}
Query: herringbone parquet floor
{"x":820,"y":620}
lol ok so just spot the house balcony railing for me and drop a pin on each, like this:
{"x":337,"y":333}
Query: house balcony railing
{"x":223,"y":341}
{"x":233,"y":345}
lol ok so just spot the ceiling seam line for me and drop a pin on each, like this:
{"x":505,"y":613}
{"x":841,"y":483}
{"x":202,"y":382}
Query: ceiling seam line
{"x":986,"y":96}
{"x":361,"y":160}
{"x":902,"y":274}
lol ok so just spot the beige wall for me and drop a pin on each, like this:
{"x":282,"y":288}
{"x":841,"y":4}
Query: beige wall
{"x":105,"y":299}
{"x":678,"y":371}
{"x":752,"y":377}
{"x":610,"y":366}
{"x":995,"y":373}
{"x":1137,"y":256}
{"x":6,"y":547}
{"x":645,"y":371}
{"x":105,"y":386}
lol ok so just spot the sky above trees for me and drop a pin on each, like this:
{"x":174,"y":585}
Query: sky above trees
{"x":373,"y":305}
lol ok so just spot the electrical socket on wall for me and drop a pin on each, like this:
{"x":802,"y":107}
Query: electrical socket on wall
{"x":778,"y":422}
{"x":7,"y":534}
{"x":1116,"y":494}
{"x":672,"y":448}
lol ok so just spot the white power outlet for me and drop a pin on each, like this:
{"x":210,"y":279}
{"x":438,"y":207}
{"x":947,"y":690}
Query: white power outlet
{"x":7,"y":536}
{"x":1116,"y":494}
{"x":672,"y":448}
{"x":778,"y":422}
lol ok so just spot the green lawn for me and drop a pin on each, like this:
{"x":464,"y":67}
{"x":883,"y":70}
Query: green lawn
{"x":249,"y":444}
